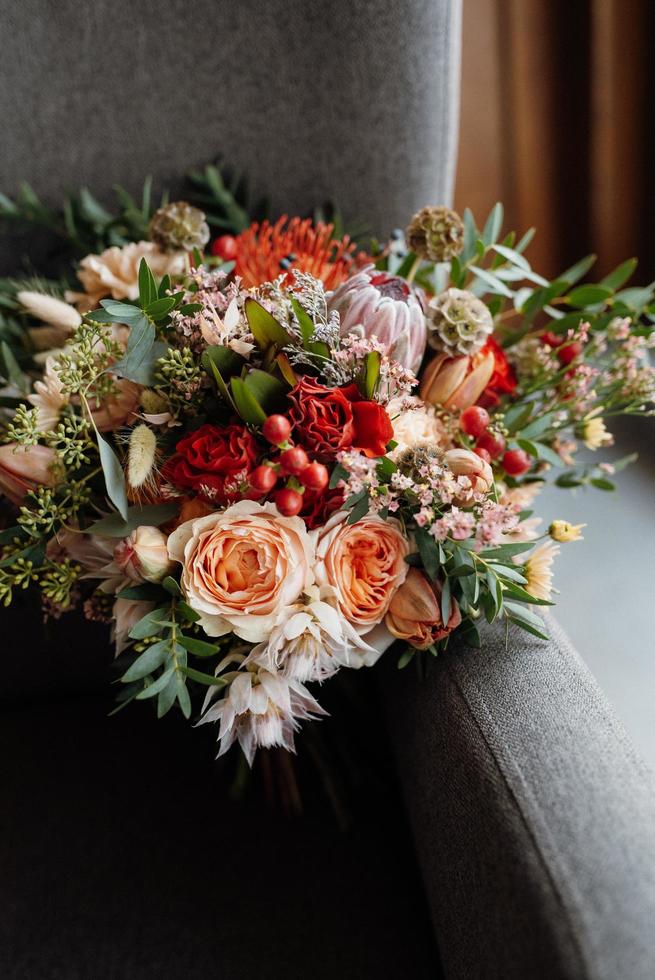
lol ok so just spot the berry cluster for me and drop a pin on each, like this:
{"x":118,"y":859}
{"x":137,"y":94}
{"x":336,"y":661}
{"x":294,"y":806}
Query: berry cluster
{"x":293,"y":465}
{"x":474,"y":421}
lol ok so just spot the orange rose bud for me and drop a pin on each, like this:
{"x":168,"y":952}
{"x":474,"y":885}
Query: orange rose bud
{"x":415,"y":612}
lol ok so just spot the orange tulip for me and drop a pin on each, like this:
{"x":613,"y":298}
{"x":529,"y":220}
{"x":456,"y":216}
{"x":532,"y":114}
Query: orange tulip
{"x":456,"y":382}
{"x":415,"y":612}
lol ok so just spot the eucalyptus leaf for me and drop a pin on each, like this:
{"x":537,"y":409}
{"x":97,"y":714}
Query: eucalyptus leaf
{"x":151,"y":515}
{"x":113,"y":474}
{"x":150,"y":660}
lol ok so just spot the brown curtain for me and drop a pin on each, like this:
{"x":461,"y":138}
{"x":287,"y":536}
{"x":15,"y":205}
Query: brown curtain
{"x":557,"y":122}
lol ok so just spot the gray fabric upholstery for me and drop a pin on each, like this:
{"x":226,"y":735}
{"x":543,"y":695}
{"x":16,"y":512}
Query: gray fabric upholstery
{"x":533,"y":817}
{"x":351,"y":101}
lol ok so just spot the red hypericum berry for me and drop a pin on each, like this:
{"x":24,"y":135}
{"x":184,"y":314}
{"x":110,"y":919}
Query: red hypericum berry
{"x":225,"y":246}
{"x":474,"y":420}
{"x":276,"y":429}
{"x":314,"y":477}
{"x":293,"y":461}
{"x":516,"y":462}
{"x":550,"y":338}
{"x":288,"y":502}
{"x":482,"y":453}
{"x":263,"y":478}
{"x":569,"y":352}
{"x":494,"y":444}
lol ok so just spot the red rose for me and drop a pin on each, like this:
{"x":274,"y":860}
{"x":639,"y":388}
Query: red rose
{"x":327,"y":420}
{"x":322,"y":418}
{"x":319,"y":505}
{"x":212,"y":460}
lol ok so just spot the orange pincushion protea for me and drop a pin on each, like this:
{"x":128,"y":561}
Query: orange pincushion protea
{"x":264,"y":251}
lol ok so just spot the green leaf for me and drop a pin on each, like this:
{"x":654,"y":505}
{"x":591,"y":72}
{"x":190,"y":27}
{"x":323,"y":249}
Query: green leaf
{"x":620,"y":275}
{"x":147,"y":285}
{"x":429,"y":552}
{"x":171,"y":586}
{"x":113,"y":474}
{"x":470,"y":236}
{"x":268,"y":390}
{"x":513,"y":256}
{"x":207,"y":679}
{"x":522,"y":614}
{"x":359,"y":510}
{"x":515,"y":591}
{"x":189,"y":614}
{"x":199,"y":648}
{"x":445,"y":601}
{"x":138,"y":353}
{"x":577,"y":271}
{"x":246,"y":403}
{"x":507,"y":550}
{"x":150,"y":660}
{"x":150,"y":624}
{"x":166,"y":698}
{"x":265,"y":328}
{"x":157,"y":685}
{"x":183,"y":698}
{"x":115,"y":526}
{"x":305,"y":322}
{"x":160,"y":308}
{"x":601,"y":484}
{"x":516,"y":416}
{"x":338,"y":474}
{"x":119,"y":312}
{"x":539,"y":451}
{"x":371,"y":373}
{"x":495,"y":284}
{"x":226,"y":360}
{"x":588,"y":295}
{"x":493,"y":224}
{"x":470,"y":634}
{"x":406,"y":657}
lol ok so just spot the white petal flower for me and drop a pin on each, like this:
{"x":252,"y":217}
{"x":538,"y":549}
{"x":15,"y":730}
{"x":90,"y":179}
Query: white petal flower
{"x":313,"y":642}
{"x":261,"y":709}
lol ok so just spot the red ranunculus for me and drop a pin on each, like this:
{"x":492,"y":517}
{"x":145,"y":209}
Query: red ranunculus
{"x":212,"y":460}
{"x":327,"y":420}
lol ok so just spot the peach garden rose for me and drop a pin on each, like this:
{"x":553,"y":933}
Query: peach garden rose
{"x":365,"y":563}
{"x":243,"y":567}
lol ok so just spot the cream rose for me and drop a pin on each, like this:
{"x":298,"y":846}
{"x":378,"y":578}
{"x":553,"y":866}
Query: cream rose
{"x":365,"y":563}
{"x":243,"y":567}
{"x":115,"y":272}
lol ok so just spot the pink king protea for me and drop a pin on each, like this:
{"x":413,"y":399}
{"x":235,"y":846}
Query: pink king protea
{"x":376,"y":304}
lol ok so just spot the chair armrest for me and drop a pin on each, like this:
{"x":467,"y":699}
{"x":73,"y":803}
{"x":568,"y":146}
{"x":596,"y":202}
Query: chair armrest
{"x":533,"y":817}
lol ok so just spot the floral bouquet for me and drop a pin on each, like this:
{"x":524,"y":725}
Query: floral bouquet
{"x":273,"y":457}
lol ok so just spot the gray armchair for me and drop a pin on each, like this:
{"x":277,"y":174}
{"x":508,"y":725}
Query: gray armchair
{"x":532,"y":819}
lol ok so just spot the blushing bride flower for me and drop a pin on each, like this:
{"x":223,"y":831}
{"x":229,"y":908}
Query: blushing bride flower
{"x":376,"y":304}
{"x":313,"y":642}
{"x":261,"y":709}
{"x":364,"y":563}
{"x":48,"y":397}
{"x":243,"y":567}
{"x":115,"y":272}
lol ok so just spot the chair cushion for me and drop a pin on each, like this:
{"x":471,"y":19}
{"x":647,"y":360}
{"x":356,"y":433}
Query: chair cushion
{"x":121,"y":857}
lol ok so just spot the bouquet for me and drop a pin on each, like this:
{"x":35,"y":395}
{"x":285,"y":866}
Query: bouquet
{"x":273,"y":454}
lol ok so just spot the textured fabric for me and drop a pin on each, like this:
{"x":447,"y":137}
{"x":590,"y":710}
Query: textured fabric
{"x":354,"y":102}
{"x":534,"y":820}
{"x":121,"y":858}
